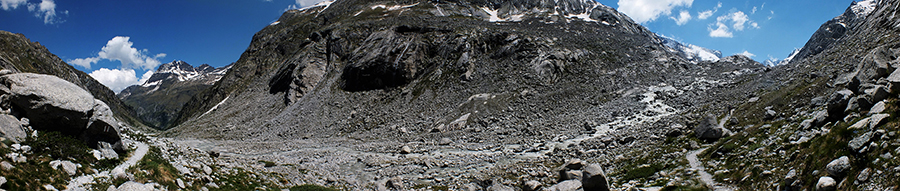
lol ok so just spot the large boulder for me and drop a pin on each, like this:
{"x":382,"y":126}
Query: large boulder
{"x":709,"y":129}
{"x":894,"y":81}
{"x":53,"y":104}
{"x":594,"y":179}
{"x":837,"y":103}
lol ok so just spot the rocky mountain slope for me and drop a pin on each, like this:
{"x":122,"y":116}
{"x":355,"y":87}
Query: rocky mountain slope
{"x":158,"y":100}
{"x":458,"y":94}
{"x":18,"y":54}
{"x":837,"y":28}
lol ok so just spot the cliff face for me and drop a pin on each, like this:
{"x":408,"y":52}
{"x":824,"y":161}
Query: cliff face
{"x":19,"y":54}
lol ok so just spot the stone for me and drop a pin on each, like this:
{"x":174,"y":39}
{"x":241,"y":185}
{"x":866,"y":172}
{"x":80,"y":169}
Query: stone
{"x":106,"y":151}
{"x":806,"y":124}
{"x":68,"y":166}
{"x":459,"y":123}
{"x":574,"y":164}
{"x":594,"y":179}
{"x":790,"y":178}
{"x":838,"y":167}
{"x":395,"y":183}
{"x":2,"y":181}
{"x":12,"y":129}
{"x":16,"y":157}
{"x":859,"y":142}
{"x":405,"y":150}
{"x":826,"y":184}
{"x":849,"y":81}
{"x":55,"y":104}
{"x":570,"y":175}
{"x":817,"y":101}
{"x":820,"y":117}
{"x":864,"y":175}
{"x":6,"y":72}
{"x":770,"y":114}
{"x":894,"y":81}
{"x":877,"y":108}
{"x":135,"y":186}
{"x":207,"y":169}
{"x":180,"y":183}
{"x":709,"y":129}
{"x":877,"y":120}
{"x":119,"y":173}
{"x":445,"y":141}
{"x":6,"y":165}
{"x":500,"y":187}
{"x":568,"y":185}
{"x":532,"y":185}
{"x":837,"y":102}
{"x":877,"y":93}
{"x":861,"y":124}
{"x":853,"y":104}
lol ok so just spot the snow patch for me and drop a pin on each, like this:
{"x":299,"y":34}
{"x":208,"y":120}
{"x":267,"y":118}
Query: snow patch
{"x":864,"y":8}
{"x":325,"y":4}
{"x":275,"y":23}
{"x":393,"y":8}
{"x":216,"y":106}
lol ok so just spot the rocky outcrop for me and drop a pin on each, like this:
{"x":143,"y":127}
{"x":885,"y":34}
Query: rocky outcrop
{"x":835,"y":29}
{"x":53,"y":104}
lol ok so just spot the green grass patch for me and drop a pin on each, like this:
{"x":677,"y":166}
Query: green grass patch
{"x":311,"y":187}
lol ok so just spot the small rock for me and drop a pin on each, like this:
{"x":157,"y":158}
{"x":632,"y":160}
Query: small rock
{"x":395,"y":183}
{"x":838,"y":102}
{"x":864,"y":175}
{"x":838,"y":167}
{"x":49,"y":187}
{"x":857,"y":143}
{"x":770,"y":114}
{"x":405,"y":150}
{"x":16,"y":157}
{"x":877,"y":120}
{"x":877,"y":108}
{"x":500,"y":187}
{"x":2,"y":181}
{"x":67,"y":166}
{"x":6,"y":165}
{"x":568,"y":185}
{"x":826,"y":184}
{"x":180,"y":183}
{"x":119,"y":173}
{"x":135,"y":186}
{"x":531,"y":185}
{"x":6,"y":72}
{"x":213,"y":154}
{"x":862,"y":123}
{"x":207,"y":169}
{"x":877,"y":93}
{"x":445,"y":141}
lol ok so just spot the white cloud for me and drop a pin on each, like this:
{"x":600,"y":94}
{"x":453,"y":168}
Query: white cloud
{"x":84,"y":62}
{"x":721,"y":31}
{"x":46,"y":9}
{"x":738,"y":21}
{"x":706,"y":14}
{"x":643,"y":11}
{"x":11,"y":4}
{"x":115,"y":79}
{"x":747,"y":54}
{"x":120,"y":48}
{"x":682,"y":18}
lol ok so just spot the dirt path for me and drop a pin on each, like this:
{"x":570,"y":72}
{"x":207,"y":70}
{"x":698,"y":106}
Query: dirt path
{"x":78,"y":183}
{"x":704,"y":176}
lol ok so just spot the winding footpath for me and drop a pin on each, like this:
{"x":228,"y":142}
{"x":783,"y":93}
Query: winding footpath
{"x":704,"y":176}
{"x":138,"y":154}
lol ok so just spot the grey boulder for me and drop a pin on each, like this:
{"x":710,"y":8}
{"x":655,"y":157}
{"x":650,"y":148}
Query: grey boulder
{"x":826,"y":184}
{"x":54,"y":104}
{"x":709,"y":129}
{"x":838,"y":167}
{"x":594,"y":179}
{"x":11,"y":128}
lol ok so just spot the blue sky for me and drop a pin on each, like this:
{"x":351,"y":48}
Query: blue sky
{"x":120,"y":42}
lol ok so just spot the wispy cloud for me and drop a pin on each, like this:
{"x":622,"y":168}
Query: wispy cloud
{"x":703,"y":15}
{"x":738,"y":21}
{"x":45,"y":9}
{"x":682,"y":18}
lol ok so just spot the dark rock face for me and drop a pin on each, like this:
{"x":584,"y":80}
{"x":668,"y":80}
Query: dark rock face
{"x":159,"y":99}
{"x":53,"y":104}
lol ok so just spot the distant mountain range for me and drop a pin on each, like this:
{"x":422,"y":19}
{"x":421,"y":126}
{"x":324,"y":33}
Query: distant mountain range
{"x":161,"y":97}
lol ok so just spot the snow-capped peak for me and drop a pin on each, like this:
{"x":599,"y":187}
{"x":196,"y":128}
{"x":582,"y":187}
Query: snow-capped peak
{"x":691,"y":52}
{"x":182,"y":71}
{"x":864,"y":8}
{"x":776,"y":62}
